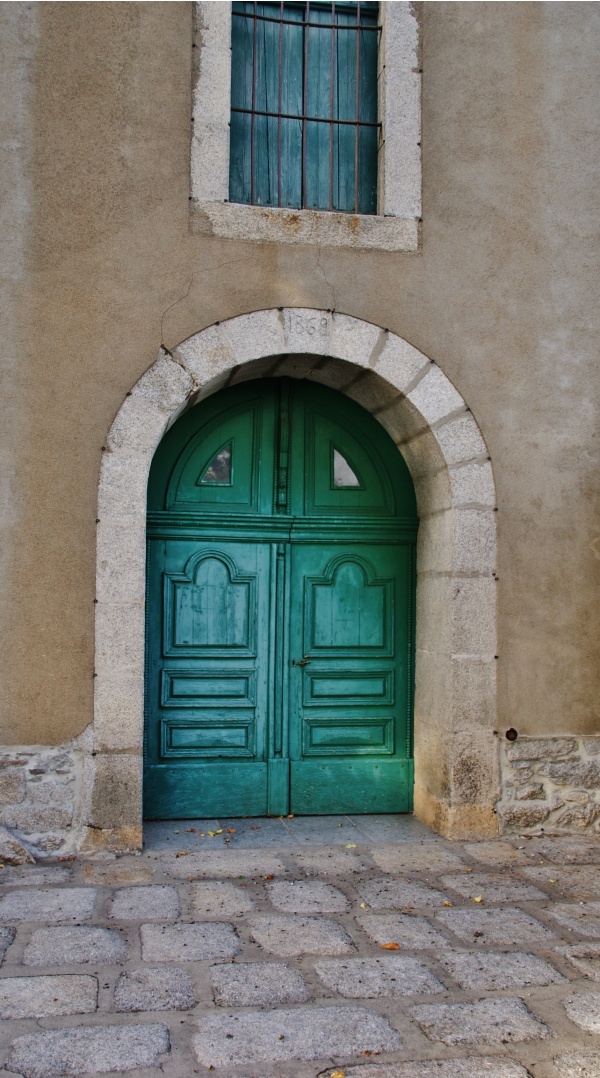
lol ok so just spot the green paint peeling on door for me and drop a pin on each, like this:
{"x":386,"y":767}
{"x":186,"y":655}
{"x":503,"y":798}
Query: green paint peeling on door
{"x":279,"y":675}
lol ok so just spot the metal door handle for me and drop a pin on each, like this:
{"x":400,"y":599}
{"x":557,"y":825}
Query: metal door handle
{"x":301,"y":662}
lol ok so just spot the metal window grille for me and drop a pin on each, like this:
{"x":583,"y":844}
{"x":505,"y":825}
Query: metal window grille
{"x":304,"y":127}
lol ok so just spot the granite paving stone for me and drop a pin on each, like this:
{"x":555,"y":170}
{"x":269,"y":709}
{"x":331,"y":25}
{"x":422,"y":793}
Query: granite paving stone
{"x":213,"y":898}
{"x":492,"y":970}
{"x":188,"y":942}
{"x":391,"y":894}
{"x":45,"y":904}
{"x":329,"y":861}
{"x":306,"y":896}
{"x":577,"y":1065}
{"x":88,"y":1050}
{"x":66,"y":946}
{"x":7,"y":935}
{"x":291,"y":936}
{"x":143,"y":903}
{"x":566,"y":851}
{"x":229,"y":864}
{"x":494,"y":926}
{"x":367,"y":978}
{"x":585,"y":957}
{"x":584,"y":1010}
{"x":439,"y":1068}
{"x":34,"y":875}
{"x":415,"y":857}
{"x":121,"y":871}
{"x":496,"y":854}
{"x":583,"y":917}
{"x":41,"y":997}
{"x":575,"y":881}
{"x":409,"y":931}
{"x":279,"y":1035}
{"x":257,"y":984}
{"x":492,"y":887}
{"x":148,"y":989}
{"x":486,"y":1021}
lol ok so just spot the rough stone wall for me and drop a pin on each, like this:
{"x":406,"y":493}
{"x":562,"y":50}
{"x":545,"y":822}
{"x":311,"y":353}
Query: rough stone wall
{"x":44,"y":794}
{"x":551,"y":784}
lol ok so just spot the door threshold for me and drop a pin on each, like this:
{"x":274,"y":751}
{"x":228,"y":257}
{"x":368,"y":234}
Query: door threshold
{"x":260,"y":832}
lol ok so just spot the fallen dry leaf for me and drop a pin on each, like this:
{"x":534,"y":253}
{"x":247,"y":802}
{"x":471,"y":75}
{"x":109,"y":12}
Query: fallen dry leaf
{"x":190,"y":830}
{"x":447,"y":903}
{"x":338,"y":1074}
{"x":230,"y":830}
{"x":390,"y":946}
{"x":478,"y":898}
{"x":290,"y":816}
{"x":363,"y":905}
{"x":182,"y":853}
{"x":350,"y":845}
{"x":269,"y":877}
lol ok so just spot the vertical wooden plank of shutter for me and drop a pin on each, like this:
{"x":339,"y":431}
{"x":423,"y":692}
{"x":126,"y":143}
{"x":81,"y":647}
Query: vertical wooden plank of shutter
{"x":318,"y":104}
{"x":241,"y":97}
{"x":368,"y":136}
{"x":344,"y":137}
{"x":291,"y":103}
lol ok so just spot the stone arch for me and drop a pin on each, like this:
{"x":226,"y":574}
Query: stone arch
{"x":456,"y":759}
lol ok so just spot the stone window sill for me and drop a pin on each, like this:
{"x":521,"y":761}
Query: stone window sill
{"x":270,"y":224}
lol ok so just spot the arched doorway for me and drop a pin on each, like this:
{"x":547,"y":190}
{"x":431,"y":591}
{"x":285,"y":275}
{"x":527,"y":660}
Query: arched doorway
{"x":280,"y":640}
{"x":457,"y":775}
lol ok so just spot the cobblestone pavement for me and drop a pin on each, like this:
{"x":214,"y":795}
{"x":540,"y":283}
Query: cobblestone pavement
{"x":362,"y":947}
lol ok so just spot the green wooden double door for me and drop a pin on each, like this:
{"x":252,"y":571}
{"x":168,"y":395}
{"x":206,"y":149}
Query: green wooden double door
{"x":281,"y":537}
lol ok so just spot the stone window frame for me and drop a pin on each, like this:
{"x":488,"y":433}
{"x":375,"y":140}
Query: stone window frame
{"x":395,"y":227}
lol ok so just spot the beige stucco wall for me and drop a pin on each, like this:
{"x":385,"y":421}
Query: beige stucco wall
{"x":100,"y":268}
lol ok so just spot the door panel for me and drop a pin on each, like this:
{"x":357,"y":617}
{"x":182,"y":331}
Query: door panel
{"x":208,"y":682}
{"x":349,"y":703}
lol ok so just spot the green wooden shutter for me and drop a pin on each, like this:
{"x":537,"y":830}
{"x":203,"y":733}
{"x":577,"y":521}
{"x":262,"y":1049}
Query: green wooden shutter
{"x":320,"y":74}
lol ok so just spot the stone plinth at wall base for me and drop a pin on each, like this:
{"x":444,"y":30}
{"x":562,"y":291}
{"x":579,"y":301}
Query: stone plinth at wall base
{"x":112,"y":839}
{"x":44,"y":794}
{"x":455,"y":821}
{"x":551,"y":784}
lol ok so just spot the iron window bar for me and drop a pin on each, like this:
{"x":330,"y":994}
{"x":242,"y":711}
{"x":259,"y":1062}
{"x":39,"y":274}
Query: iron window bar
{"x":304,"y":117}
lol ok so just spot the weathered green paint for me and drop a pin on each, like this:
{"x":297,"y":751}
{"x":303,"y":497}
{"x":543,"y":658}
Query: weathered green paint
{"x":279,"y":611}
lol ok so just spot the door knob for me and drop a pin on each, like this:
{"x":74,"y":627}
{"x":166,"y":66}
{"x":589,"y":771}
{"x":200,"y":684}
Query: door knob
{"x":301,"y":662}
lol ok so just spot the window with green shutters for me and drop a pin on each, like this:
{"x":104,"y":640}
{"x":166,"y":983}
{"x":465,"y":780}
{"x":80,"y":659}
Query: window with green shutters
{"x":304,"y":121}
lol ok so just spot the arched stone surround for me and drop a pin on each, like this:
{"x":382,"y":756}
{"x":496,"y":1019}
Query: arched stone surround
{"x":456,"y":754}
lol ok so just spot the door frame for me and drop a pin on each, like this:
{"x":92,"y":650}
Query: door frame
{"x":456,"y":750}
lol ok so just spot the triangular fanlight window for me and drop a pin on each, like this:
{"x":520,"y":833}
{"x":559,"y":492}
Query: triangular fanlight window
{"x":219,"y":468}
{"x":344,"y":475}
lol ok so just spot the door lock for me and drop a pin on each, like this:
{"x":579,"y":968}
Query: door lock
{"x":301,"y":662}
